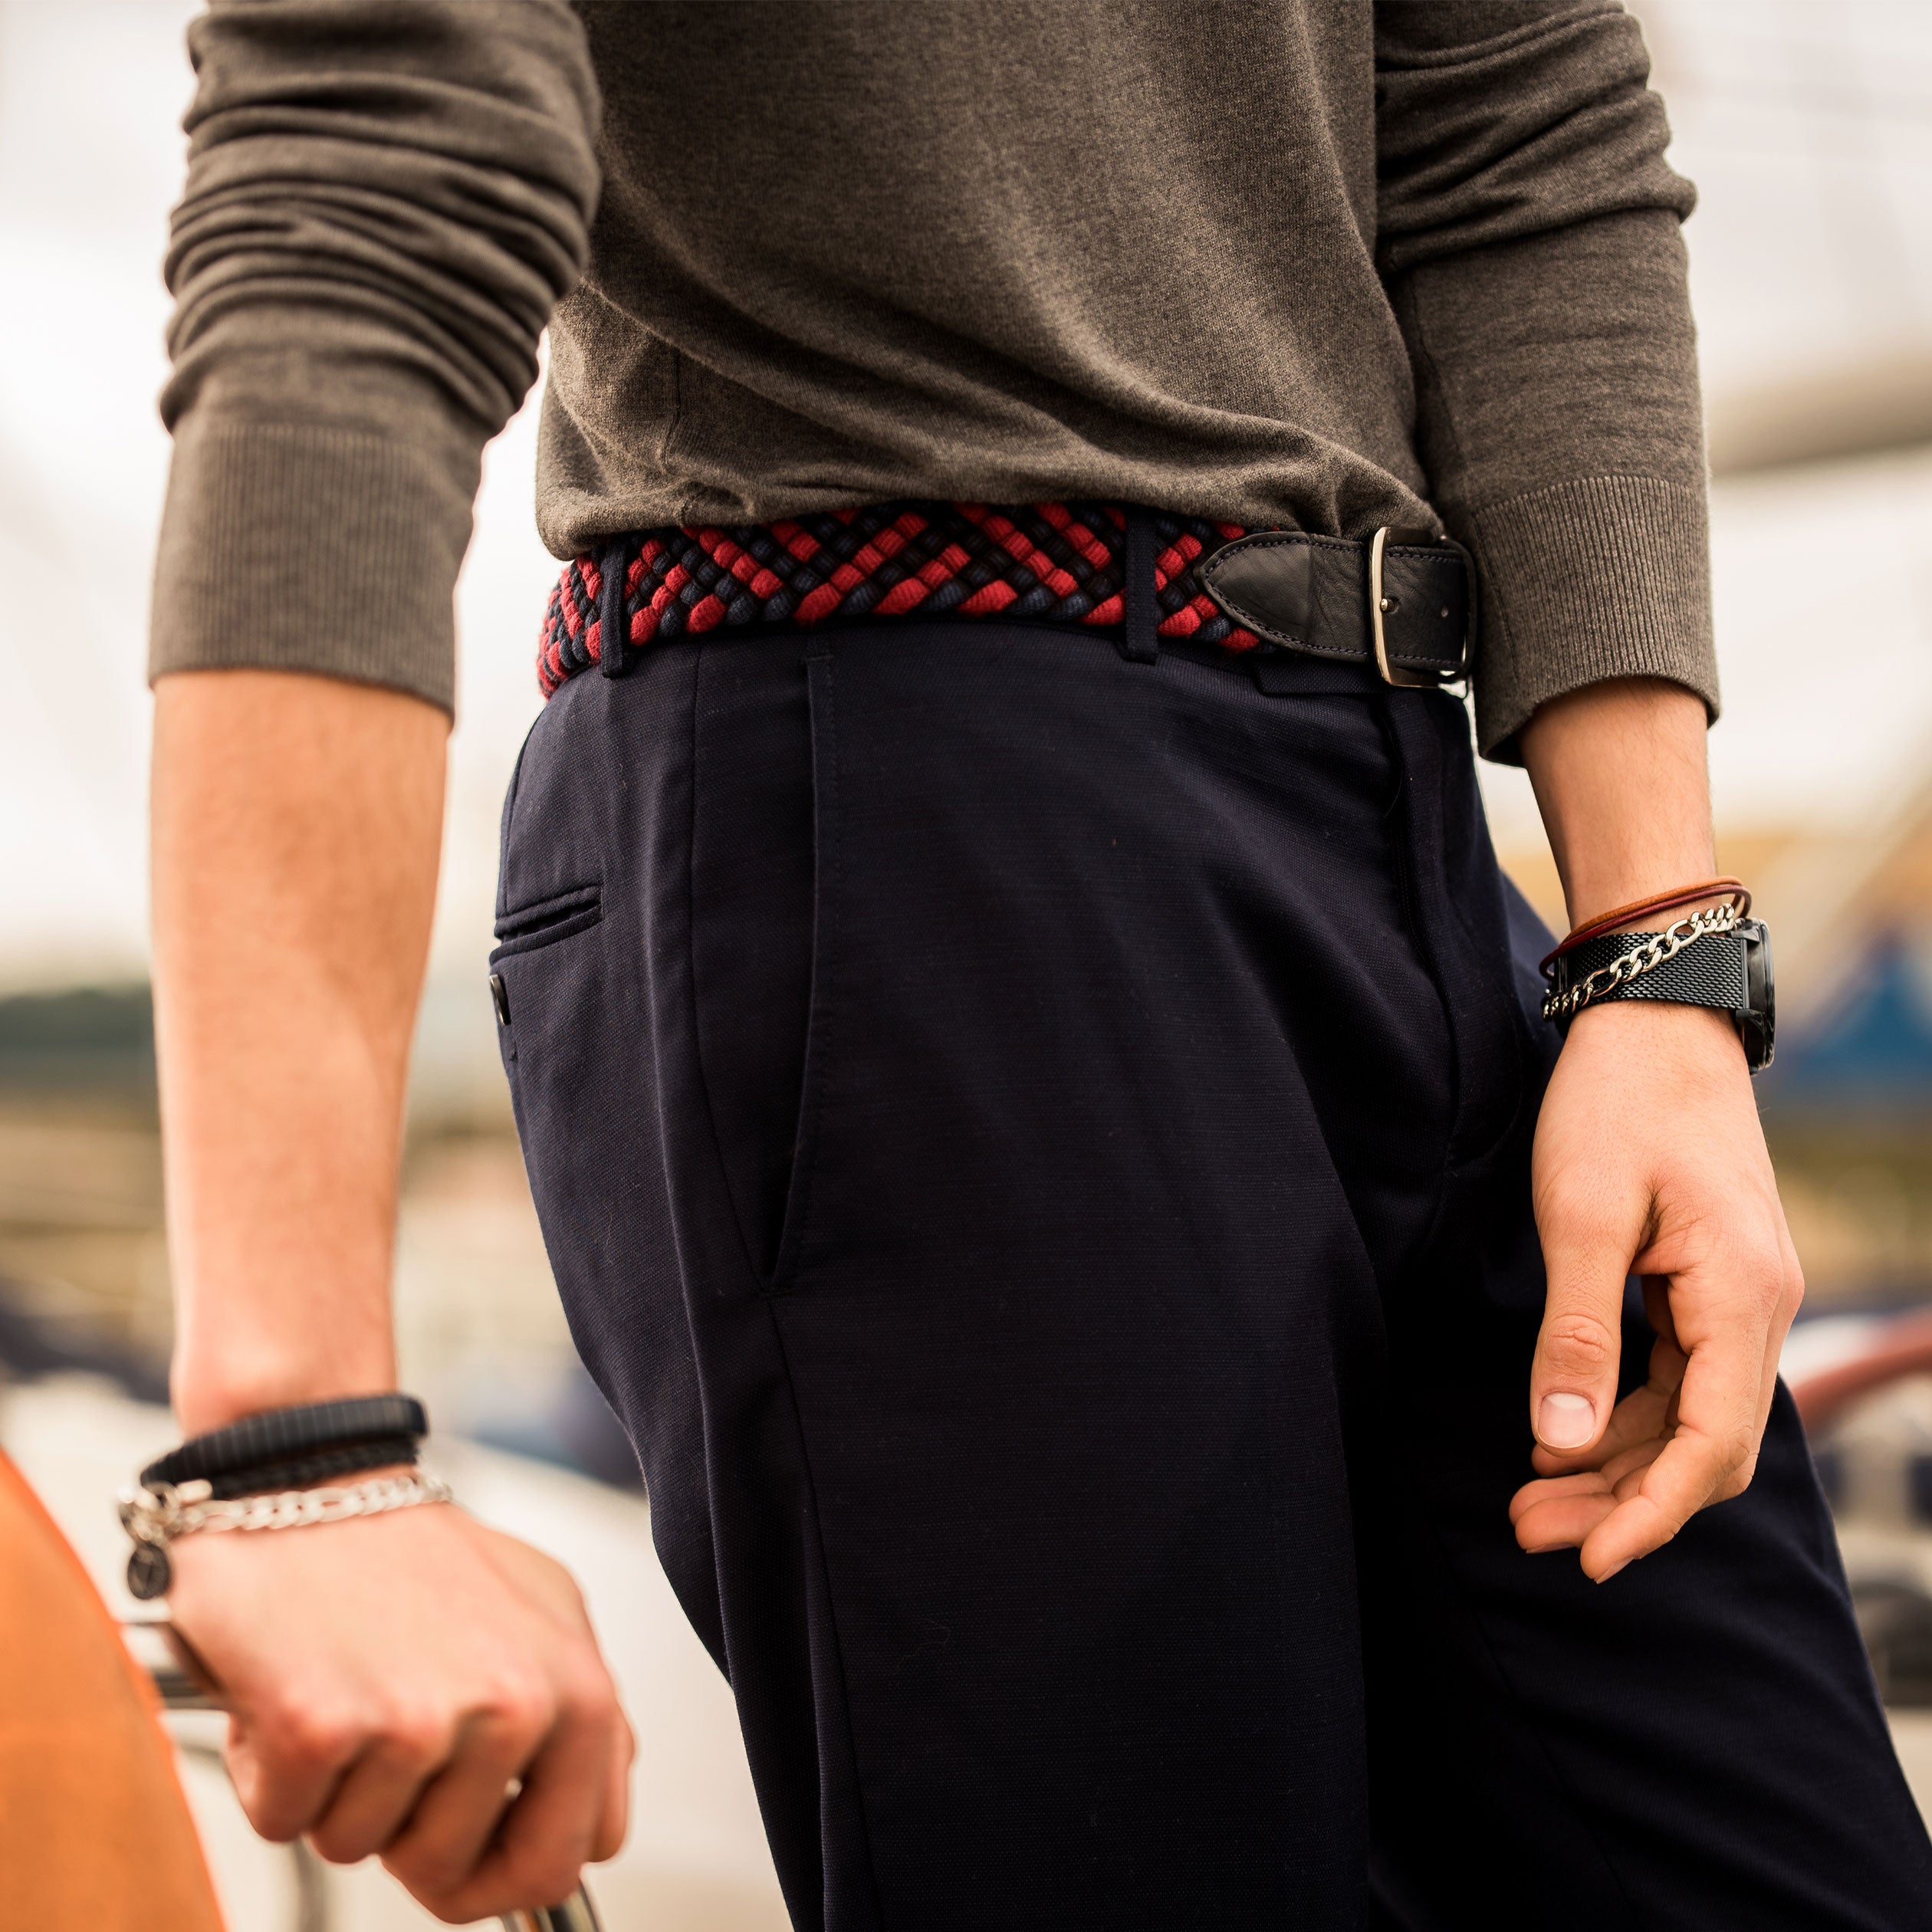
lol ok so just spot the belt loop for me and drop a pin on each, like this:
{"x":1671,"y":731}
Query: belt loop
{"x":614,"y":645}
{"x":1141,"y":643}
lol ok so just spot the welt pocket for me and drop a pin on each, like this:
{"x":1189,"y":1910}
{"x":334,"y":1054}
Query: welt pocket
{"x":548,"y":921}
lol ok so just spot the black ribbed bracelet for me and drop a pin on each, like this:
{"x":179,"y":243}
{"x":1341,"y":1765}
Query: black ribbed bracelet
{"x":324,"y":1466}
{"x":282,"y":1435}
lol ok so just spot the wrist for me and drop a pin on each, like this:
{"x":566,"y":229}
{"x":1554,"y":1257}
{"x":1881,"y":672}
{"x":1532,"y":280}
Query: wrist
{"x":1618,"y":769}
{"x":1660,"y":1028}
{"x":1655,"y":922}
{"x":281,"y":1470}
{"x":273,"y":1323}
{"x":211,"y":1390}
{"x":1641,"y":902}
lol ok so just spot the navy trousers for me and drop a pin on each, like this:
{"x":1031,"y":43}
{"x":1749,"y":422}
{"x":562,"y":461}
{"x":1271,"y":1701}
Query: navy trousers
{"x":1034,"y":1146}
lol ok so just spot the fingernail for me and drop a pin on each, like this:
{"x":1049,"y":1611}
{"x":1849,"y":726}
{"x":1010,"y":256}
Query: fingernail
{"x":1618,"y":1572}
{"x":1565,"y":1421}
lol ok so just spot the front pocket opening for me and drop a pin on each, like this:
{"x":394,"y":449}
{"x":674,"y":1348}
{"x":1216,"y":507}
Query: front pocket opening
{"x":793,"y":1224}
{"x":550,"y":919}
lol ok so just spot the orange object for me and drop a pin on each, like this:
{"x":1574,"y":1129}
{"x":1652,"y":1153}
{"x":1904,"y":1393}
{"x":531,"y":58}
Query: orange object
{"x":94,"y":1830}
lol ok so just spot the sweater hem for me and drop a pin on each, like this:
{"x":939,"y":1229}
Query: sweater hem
{"x":1584,"y":582}
{"x":306,"y":546}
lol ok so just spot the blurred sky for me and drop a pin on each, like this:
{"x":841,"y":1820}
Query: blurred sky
{"x":1806,"y":123}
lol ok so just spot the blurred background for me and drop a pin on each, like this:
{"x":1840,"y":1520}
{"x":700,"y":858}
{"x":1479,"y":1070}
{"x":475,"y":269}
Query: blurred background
{"x":1807,"y":125}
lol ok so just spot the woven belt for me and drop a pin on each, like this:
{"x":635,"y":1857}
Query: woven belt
{"x":1401,"y":601}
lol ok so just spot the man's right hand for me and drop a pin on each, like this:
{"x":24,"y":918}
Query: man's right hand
{"x":390,"y":1676}
{"x":417,"y":1687}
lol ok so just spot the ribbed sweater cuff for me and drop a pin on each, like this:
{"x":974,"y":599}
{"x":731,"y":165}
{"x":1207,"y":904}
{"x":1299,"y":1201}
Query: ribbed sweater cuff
{"x":302,"y":546}
{"x":1606,"y":577}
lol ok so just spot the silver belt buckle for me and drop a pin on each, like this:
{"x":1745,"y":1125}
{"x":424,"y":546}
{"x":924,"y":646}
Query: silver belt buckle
{"x":1380,"y":603}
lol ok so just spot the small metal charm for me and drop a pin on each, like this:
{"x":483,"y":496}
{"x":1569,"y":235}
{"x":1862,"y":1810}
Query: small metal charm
{"x":148,"y":1571}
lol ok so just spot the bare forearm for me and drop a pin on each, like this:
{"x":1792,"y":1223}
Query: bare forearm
{"x":297,"y":823}
{"x":1680,"y":1193}
{"x":1620,"y":775}
{"x":297,"y":826}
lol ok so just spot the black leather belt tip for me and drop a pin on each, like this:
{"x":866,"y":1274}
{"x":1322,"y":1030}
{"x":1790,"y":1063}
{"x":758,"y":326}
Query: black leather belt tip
{"x":1405,"y":602}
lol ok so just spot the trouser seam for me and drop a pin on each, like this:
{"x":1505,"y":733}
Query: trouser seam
{"x":1522,"y":1708}
{"x":828,"y":881}
{"x":691,"y":984}
{"x":847,"y":1739}
{"x":1408,"y":887}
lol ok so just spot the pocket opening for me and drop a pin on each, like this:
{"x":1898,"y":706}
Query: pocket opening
{"x":795,"y":1219}
{"x":548,"y":920}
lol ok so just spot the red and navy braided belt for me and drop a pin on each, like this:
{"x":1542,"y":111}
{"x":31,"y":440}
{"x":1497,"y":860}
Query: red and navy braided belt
{"x":1401,"y":601}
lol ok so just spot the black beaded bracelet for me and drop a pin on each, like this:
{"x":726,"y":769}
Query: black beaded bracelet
{"x":279,"y":1436}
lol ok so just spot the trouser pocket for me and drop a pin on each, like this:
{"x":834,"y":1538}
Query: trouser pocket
{"x":765,"y":871}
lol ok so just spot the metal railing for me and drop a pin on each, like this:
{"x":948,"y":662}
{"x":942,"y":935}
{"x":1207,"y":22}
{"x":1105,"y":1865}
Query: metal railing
{"x":147,"y":1637}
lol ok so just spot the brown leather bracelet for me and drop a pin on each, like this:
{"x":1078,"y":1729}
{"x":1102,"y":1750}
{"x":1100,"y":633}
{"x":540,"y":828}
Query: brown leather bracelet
{"x":1733,"y":889}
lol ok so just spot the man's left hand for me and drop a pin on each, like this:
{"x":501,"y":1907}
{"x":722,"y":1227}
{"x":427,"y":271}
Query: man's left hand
{"x":1650,"y":1160}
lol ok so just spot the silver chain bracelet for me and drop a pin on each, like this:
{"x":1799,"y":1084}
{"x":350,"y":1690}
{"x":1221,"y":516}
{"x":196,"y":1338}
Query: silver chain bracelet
{"x":1640,"y":959}
{"x":154,"y":1517}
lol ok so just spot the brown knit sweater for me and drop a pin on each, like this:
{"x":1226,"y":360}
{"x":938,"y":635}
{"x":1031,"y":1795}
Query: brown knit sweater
{"x":1320,"y":263}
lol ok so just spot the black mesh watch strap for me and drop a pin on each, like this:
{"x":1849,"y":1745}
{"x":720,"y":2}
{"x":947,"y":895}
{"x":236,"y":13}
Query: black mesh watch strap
{"x":1710,"y":972}
{"x":1731,"y":971}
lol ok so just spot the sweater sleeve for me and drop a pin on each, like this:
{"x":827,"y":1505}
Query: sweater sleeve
{"x":384,"y":198}
{"x":1528,"y":231}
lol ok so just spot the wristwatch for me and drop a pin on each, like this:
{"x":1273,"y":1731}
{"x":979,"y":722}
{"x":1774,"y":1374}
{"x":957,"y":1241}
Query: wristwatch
{"x":1730,"y":970}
